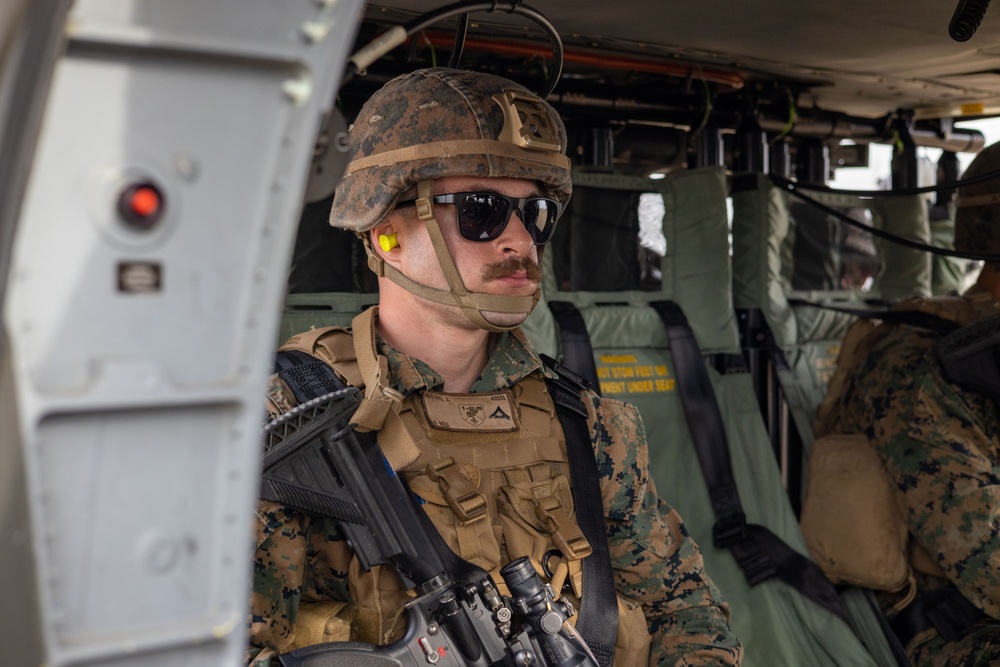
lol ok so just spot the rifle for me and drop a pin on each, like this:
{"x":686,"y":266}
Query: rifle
{"x":316,"y":462}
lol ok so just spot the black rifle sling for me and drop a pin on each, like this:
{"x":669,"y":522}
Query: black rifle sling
{"x":597,"y":621}
{"x":760,"y":553}
{"x":460,"y":569}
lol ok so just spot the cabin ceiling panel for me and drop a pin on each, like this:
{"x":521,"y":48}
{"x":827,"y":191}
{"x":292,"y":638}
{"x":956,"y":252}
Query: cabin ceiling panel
{"x":860,"y":57}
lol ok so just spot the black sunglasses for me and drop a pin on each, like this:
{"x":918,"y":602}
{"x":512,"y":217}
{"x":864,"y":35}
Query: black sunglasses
{"x":482,"y":216}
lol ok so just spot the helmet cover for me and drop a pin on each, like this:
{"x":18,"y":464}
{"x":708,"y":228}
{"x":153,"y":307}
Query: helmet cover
{"x":440,"y":122}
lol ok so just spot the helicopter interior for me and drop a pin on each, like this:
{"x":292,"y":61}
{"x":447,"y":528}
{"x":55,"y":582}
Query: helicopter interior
{"x":703,"y":261}
{"x":701,"y":158}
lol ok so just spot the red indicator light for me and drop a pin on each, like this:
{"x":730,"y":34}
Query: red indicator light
{"x":145,"y":201}
{"x":141,"y":205}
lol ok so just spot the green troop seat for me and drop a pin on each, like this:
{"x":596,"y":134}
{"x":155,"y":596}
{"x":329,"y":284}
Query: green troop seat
{"x":612,"y":267}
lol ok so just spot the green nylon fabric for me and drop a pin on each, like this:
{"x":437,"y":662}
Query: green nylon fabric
{"x":760,"y":229}
{"x":905,"y":271}
{"x":777,"y":625}
{"x":947,"y":273}
{"x":541,"y":330}
{"x":321,"y":309}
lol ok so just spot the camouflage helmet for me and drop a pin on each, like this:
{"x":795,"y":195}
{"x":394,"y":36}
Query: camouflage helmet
{"x":977,"y":222}
{"x":441,"y":122}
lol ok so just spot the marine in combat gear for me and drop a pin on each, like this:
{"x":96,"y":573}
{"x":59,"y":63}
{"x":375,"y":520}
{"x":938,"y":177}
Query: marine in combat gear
{"x":937,"y":440}
{"x":455,"y":182}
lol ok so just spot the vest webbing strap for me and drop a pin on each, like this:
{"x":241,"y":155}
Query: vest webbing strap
{"x":577,"y":353}
{"x":760,"y":553}
{"x":598,"y":620}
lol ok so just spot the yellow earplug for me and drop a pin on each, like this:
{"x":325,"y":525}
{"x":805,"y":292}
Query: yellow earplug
{"x":387,"y":242}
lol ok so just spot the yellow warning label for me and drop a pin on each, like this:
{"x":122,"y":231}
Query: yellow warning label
{"x":618,"y":359}
{"x":633,"y":379}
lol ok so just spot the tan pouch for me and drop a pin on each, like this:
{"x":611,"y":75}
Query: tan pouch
{"x":632,"y":645}
{"x":319,"y":622}
{"x":850,"y":519}
{"x":472,"y":538}
{"x":378,"y":599}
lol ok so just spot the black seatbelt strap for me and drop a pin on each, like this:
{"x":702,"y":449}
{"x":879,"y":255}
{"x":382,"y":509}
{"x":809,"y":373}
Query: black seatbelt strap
{"x":577,"y":352}
{"x":760,"y":553}
{"x":598,"y":621}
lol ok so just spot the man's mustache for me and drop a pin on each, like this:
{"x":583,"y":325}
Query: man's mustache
{"x":511,"y":266}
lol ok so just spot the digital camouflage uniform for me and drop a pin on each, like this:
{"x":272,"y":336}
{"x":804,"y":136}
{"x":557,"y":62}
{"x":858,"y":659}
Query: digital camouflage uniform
{"x":655,"y":562}
{"x":939,"y":445}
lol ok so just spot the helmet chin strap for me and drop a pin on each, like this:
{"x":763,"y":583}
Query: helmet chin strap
{"x":472,"y":304}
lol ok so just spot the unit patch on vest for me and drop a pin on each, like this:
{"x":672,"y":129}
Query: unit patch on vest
{"x":471,"y":412}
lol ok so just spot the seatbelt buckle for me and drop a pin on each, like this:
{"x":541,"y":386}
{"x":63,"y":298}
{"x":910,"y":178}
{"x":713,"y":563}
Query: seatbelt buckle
{"x":729,"y":529}
{"x":459,"y":492}
{"x":565,"y":533}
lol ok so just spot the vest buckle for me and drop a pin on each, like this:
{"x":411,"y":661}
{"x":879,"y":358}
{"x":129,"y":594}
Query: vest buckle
{"x":458,"y":490}
{"x":565,"y":532}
